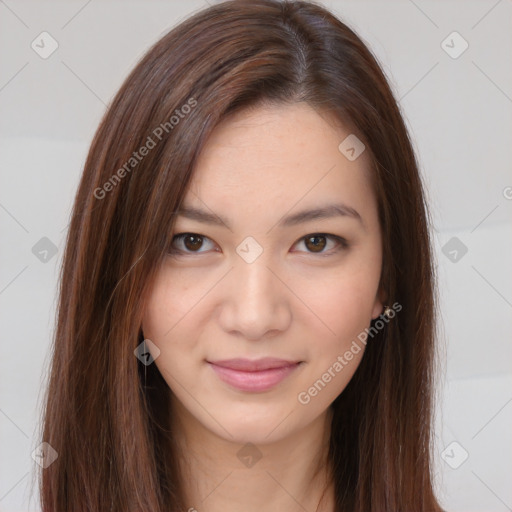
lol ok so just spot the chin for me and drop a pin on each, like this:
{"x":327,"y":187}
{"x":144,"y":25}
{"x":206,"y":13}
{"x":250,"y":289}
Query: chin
{"x":242,"y":428}
{"x":259,"y":434}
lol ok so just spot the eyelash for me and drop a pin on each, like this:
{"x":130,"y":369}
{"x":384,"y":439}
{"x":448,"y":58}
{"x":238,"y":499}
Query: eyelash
{"x":343,"y":244}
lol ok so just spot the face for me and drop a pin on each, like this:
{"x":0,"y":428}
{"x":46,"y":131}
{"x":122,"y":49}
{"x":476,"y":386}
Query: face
{"x":258,"y":299}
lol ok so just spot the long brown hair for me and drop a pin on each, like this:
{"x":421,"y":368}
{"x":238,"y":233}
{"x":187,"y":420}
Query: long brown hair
{"x":106,"y":414}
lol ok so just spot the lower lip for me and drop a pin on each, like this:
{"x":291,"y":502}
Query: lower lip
{"x":253,"y":381}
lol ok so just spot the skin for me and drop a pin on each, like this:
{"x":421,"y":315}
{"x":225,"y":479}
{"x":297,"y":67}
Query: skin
{"x":291,"y":302}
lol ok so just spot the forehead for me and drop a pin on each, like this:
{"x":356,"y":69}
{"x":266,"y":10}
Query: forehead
{"x":276,"y":159}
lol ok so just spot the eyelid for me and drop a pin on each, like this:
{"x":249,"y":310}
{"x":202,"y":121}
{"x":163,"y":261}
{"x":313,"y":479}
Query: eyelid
{"x":342,"y":243}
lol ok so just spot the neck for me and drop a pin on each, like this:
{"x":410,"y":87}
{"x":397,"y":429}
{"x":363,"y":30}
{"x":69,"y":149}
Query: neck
{"x":290,"y":475}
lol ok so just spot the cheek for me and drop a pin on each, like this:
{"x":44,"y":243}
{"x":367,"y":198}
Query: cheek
{"x":173,"y":298}
{"x":162,"y":318}
{"x":172,"y":322}
{"x":342,"y":312}
{"x":341,"y":305}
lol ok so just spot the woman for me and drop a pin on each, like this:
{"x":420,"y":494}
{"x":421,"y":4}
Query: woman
{"x":246,"y":314}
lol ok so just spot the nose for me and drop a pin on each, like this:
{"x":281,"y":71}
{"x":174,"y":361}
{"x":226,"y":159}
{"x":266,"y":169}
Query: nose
{"x":256,"y":303}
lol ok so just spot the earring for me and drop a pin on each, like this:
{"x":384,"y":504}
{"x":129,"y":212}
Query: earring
{"x":388,"y":311}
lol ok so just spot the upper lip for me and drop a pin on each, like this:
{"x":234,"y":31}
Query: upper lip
{"x":248,"y":365}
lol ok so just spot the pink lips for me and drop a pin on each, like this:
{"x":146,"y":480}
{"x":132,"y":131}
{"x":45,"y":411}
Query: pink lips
{"x":254,"y":376}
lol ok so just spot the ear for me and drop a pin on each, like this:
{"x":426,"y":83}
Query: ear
{"x":378,"y":305}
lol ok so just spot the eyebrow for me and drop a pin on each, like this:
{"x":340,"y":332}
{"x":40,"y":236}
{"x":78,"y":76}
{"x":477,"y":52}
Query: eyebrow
{"x":324,"y":212}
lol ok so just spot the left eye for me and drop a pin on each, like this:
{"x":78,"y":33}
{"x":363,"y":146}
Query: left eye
{"x":315,"y":243}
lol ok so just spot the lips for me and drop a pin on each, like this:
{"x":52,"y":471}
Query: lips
{"x":253,"y":375}
{"x":246,"y":365}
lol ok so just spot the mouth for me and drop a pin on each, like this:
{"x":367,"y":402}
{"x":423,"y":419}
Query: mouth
{"x":253,"y":375}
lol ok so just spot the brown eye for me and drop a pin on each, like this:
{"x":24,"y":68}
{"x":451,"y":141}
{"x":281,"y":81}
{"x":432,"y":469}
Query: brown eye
{"x":323,"y":244}
{"x":193,"y":242}
{"x":316,"y":243}
{"x":188,"y":243}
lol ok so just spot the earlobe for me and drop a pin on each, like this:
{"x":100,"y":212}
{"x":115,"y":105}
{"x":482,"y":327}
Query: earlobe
{"x":378,"y":306}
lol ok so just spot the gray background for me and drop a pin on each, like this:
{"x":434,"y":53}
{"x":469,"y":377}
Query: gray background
{"x":458,"y":111}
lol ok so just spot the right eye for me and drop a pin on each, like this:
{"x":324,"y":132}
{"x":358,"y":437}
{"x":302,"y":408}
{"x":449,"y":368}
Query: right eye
{"x":188,"y":243}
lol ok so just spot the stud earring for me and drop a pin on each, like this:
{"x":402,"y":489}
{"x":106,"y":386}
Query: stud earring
{"x":388,"y":311}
